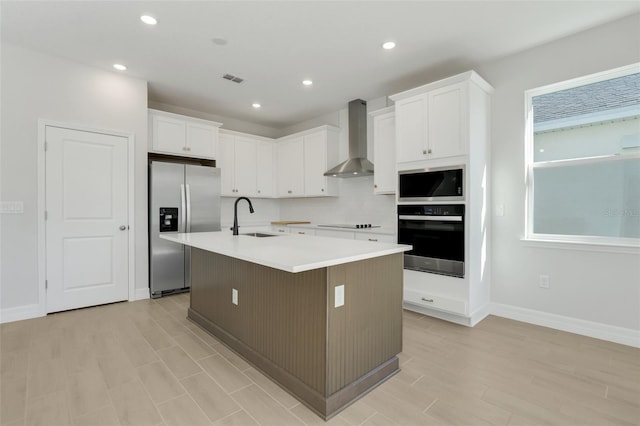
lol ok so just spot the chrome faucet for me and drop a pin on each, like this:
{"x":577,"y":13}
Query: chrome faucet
{"x":235,"y":213}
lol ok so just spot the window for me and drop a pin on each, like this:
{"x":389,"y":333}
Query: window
{"x":583,"y":159}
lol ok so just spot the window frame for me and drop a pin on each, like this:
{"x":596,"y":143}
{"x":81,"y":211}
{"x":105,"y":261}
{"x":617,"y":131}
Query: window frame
{"x":567,"y":240}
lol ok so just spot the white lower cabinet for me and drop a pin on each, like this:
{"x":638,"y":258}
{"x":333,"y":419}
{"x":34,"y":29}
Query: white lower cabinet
{"x":377,"y":238}
{"x":335,"y":234}
{"x":431,"y":301}
{"x":280,"y":229}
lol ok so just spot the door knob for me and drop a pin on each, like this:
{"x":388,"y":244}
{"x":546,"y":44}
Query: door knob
{"x":122,"y":228}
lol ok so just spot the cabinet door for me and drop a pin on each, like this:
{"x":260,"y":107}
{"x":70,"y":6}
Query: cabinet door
{"x":384,"y":148}
{"x":411,"y":129}
{"x":381,"y":238}
{"x":201,"y":140}
{"x":291,"y":167}
{"x":225,"y":162}
{"x":348,"y":235}
{"x":264,"y":169}
{"x":169,"y":135}
{"x":245,"y":166}
{"x":447,"y":128}
{"x":315,"y":164}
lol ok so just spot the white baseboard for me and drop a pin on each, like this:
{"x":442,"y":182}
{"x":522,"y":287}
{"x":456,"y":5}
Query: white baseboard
{"x":20,"y":313}
{"x":141,"y":294}
{"x":624,"y":336}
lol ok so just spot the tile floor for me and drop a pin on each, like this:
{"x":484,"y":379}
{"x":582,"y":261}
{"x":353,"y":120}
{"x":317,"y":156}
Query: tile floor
{"x":144,"y":363}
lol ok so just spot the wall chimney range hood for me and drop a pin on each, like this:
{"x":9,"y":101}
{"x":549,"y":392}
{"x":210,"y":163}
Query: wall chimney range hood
{"x":357,"y":164}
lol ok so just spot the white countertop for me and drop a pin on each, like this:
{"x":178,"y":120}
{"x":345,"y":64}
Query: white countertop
{"x":290,"y":253}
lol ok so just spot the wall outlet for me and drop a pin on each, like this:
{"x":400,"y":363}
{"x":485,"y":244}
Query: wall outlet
{"x":234,"y":296}
{"x":339,"y":296}
{"x":543,"y":281}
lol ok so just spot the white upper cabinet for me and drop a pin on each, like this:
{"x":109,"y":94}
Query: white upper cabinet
{"x":290,"y":169}
{"x":264,"y":169}
{"x":302,"y":160}
{"x":433,"y":121}
{"x":315,"y":164}
{"x":246,"y":165}
{"x":447,"y":123}
{"x":180,"y":135}
{"x":384,"y":151}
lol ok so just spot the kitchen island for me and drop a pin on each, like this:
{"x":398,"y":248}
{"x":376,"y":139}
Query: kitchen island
{"x":322,"y":317}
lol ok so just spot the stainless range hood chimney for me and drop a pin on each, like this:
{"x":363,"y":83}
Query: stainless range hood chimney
{"x":357,"y":165}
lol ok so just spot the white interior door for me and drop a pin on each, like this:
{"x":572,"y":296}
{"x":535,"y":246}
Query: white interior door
{"x":87,"y":221}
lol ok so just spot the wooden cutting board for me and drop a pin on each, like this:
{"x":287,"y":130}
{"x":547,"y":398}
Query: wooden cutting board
{"x":289,"y":222}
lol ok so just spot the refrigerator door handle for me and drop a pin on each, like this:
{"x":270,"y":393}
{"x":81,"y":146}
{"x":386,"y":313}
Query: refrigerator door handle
{"x":188,"y":192}
{"x":183,"y":204}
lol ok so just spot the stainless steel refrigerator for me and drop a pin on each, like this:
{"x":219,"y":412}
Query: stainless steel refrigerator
{"x":182,"y":198}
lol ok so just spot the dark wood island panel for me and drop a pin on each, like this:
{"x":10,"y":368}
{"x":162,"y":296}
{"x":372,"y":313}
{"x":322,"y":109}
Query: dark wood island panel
{"x":286,"y":324}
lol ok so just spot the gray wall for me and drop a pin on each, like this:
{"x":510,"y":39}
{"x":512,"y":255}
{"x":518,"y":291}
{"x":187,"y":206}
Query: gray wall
{"x":36,"y":86}
{"x":600,"y":286}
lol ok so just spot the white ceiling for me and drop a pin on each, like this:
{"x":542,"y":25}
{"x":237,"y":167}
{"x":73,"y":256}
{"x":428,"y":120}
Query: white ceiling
{"x":274,"y":45}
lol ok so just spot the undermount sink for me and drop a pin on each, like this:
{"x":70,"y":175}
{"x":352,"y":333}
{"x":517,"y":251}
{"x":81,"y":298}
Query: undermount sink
{"x":260,"y":234}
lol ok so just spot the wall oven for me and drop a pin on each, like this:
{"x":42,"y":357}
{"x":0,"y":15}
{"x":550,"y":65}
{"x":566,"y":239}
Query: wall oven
{"x":436,"y":233}
{"x":431,"y":184}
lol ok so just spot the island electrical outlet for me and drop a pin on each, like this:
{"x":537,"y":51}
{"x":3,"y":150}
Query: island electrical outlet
{"x":339,"y":296}
{"x":234,"y":296}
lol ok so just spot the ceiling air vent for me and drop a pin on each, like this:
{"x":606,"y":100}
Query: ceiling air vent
{"x":233,"y":78}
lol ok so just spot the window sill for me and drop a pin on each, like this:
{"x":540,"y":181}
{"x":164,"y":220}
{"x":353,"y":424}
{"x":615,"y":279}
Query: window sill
{"x":537,"y":242}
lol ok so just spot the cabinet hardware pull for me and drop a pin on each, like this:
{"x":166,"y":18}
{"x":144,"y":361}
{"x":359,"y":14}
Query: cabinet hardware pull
{"x":258,"y":191}
{"x":289,"y":192}
{"x":300,"y":232}
{"x":322,"y":190}
{"x":373,"y":239}
{"x":424,"y":151}
{"x":429,"y":151}
{"x":375,"y":186}
{"x":427,"y":300}
{"x":280,"y":230}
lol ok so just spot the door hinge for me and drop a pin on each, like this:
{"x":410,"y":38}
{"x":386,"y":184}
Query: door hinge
{"x":46,"y":284}
{"x":46,"y":145}
{"x":46,"y":215}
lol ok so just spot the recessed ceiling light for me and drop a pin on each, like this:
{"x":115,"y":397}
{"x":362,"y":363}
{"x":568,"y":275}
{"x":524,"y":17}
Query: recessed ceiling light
{"x":307,"y":82}
{"x":256,"y":105}
{"x":149,"y":20}
{"x":119,"y":67}
{"x":388,"y":45}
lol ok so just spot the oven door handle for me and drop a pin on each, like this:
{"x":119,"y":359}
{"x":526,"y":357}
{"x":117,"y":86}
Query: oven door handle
{"x":431,"y":218}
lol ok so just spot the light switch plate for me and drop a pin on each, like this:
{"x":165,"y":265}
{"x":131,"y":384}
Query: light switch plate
{"x":11,"y":207}
{"x":339,"y":296}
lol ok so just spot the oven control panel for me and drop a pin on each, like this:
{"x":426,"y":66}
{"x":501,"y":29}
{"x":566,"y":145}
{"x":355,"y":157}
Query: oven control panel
{"x":432,"y":210}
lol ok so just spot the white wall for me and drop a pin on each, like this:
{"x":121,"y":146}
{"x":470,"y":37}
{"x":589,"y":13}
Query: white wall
{"x":595,"y":286}
{"x":356,"y":203}
{"x":36,"y":86}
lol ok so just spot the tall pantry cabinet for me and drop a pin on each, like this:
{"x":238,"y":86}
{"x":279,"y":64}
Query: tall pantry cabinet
{"x":447,"y":124}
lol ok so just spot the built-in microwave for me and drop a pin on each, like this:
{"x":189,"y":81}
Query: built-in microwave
{"x":431,"y":184}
